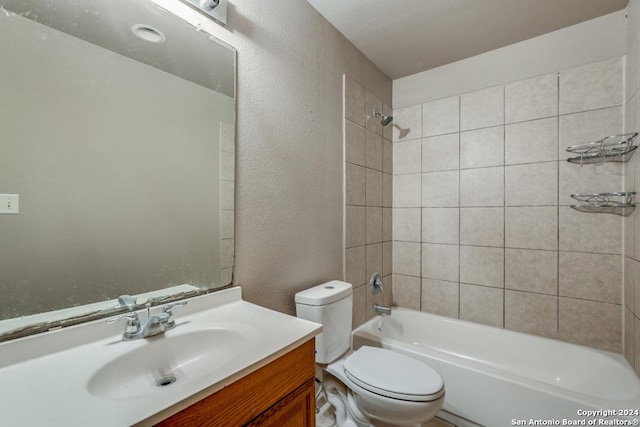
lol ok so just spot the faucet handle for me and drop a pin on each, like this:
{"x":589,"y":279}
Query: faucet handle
{"x":167,"y":307}
{"x":375,"y":283}
{"x":133,"y":323}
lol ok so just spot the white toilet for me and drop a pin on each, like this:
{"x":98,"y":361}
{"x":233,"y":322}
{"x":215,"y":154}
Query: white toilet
{"x":375,"y":386}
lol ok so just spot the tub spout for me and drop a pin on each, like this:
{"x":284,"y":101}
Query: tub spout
{"x":382,"y":309}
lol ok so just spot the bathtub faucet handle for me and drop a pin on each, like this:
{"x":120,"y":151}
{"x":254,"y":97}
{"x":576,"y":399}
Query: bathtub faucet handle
{"x":376,"y":283}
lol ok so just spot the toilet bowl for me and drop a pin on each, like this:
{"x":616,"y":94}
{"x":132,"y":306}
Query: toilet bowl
{"x":368,"y":385}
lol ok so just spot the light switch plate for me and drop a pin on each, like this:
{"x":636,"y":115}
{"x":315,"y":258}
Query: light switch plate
{"x":9,"y":204}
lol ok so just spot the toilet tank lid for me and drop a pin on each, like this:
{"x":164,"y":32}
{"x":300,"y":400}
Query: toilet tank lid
{"x":325,"y":293}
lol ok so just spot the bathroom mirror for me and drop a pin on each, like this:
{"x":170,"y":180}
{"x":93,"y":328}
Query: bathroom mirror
{"x":117,"y":124}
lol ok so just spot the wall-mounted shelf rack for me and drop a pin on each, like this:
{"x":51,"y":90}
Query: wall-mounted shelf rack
{"x":620,"y":203}
{"x":615,"y":148}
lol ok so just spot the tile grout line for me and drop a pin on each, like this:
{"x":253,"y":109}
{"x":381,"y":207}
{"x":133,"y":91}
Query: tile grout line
{"x":504,"y":207}
{"x":459,"y":207}
{"x":558,"y":212}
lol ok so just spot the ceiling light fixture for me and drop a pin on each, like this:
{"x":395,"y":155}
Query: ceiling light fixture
{"x":148,"y":33}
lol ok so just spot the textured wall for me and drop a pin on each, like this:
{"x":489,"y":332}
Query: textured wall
{"x":482,"y":226}
{"x":289,"y":188}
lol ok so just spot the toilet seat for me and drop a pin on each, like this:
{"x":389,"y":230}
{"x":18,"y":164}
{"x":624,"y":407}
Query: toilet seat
{"x":393,"y":375}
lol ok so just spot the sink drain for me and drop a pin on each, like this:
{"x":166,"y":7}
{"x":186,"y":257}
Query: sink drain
{"x":165,"y":381}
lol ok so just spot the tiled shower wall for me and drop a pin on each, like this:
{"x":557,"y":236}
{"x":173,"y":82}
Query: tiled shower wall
{"x":368,"y":185}
{"x":482,"y":228}
{"x":632,"y":223}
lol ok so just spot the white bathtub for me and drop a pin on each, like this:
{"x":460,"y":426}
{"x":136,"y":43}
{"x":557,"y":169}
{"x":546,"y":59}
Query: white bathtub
{"x":495,"y":377}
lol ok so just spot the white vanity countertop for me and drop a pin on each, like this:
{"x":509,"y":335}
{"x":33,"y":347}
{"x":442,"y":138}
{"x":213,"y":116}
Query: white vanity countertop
{"x":52,"y":388}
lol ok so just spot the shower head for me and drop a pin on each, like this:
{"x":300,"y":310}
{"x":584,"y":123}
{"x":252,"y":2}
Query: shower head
{"x":384,"y":120}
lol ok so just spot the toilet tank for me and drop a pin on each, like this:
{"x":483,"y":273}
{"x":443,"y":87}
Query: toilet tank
{"x":330,"y":304}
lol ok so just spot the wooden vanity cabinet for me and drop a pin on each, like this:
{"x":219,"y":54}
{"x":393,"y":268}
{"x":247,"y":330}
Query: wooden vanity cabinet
{"x":280,"y":394}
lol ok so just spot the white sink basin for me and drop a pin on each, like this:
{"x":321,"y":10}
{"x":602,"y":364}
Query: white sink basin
{"x":87,"y":375}
{"x":164,"y":361}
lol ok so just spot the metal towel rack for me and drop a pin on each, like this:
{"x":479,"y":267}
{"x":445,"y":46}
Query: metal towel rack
{"x":615,"y":148}
{"x":620,"y":203}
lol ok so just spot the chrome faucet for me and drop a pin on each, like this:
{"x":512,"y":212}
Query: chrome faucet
{"x":381,"y":309}
{"x":375,"y":284}
{"x":155,"y":325}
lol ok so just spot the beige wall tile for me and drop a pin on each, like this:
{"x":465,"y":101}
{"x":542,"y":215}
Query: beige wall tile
{"x":406,"y":258}
{"x":628,"y":233}
{"x":440,"y":153}
{"x":576,"y":232}
{"x":440,"y":189}
{"x":482,"y":147}
{"x":387,"y":190}
{"x":371,"y":122}
{"x":354,"y":101}
{"x":227,"y":195}
{"x":629,"y":338}
{"x":636,"y":323}
{"x":387,"y":224}
{"x":440,"y":297}
{"x":227,"y":254}
{"x":591,"y":86}
{"x":441,"y":116}
{"x":355,"y":226}
{"x":534,"y":184}
{"x":406,"y":224}
{"x":440,"y":225}
{"x":407,"y":157}
{"x":531,"y":228}
{"x":531,"y":99}
{"x":588,"y":179}
{"x":373,"y":225}
{"x":227,"y":224}
{"x":387,"y":156}
{"x":387,"y":258}
{"x":482,"y":266}
{"x":482,"y":187}
{"x":374,"y":259}
{"x":354,"y":143}
{"x":590,"y":323}
{"x":587,"y":127}
{"x":407,"y":123}
{"x":407,"y":191}
{"x":630,"y":69}
{"x":636,"y":288}
{"x":531,"y":142}
{"x":359,"y":315}
{"x":595,"y":277}
{"x":373,"y":187}
{"x":355,"y":185}
{"x":482,"y":226}
{"x":482,"y":305}
{"x":531,"y":270}
{"x":356,"y":265}
{"x":406,"y":291}
{"x":629,"y":283}
{"x":531,"y":313}
{"x":440,"y":262}
{"x":373,"y":147}
{"x":482,"y":108}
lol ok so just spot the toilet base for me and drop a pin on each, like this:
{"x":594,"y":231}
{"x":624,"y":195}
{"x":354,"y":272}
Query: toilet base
{"x":352,"y":410}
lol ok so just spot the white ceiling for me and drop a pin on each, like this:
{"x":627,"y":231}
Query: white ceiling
{"x":404,"y":37}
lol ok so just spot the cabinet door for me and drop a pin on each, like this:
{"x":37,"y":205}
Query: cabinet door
{"x":295,"y":410}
